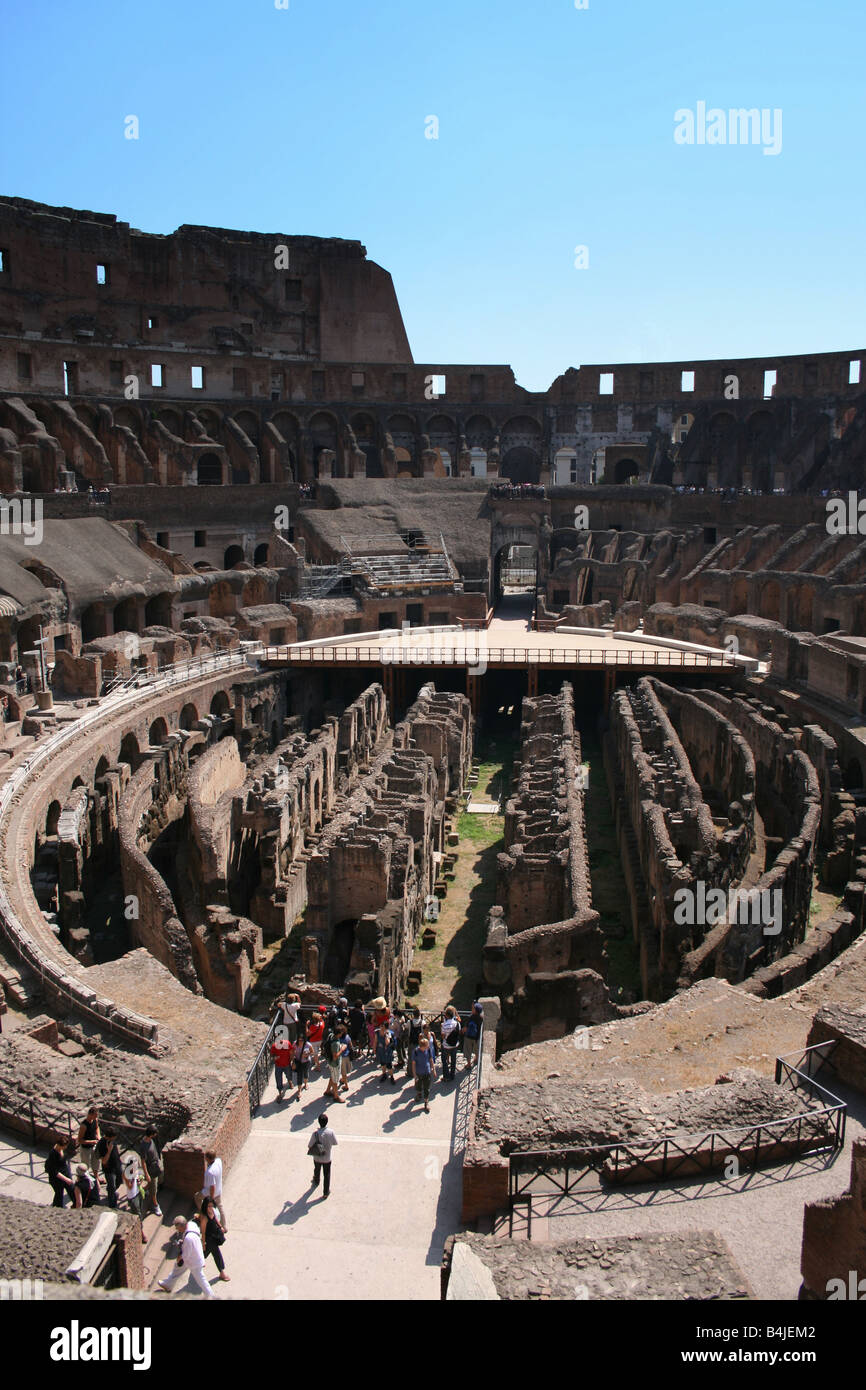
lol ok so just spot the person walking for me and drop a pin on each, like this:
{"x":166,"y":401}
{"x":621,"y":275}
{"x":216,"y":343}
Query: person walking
{"x":399,"y":1030}
{"x":213,"y":1186}
{"x":347,"y":1058}
{"x":191,"y":1258}
{"x":281,"y":1051}
{"x":132,"y":1191}
{"x":334,"y":1056}
{"x":302,"y":1056}
{"x":151,"y":1159}
{"x":385,"y":1052}
{"x":416,"y":1028}
{"x":423,"y":1070}
{"x":358,"y":1028}
{"x":321,"y":1143}
{"x":213,"y":1235}
{"x":450,"y":1043}
{"x":315,"y":1033}
{"x":59,"y":1174}
{"x":89,"y":1135}
{"x":112,"y":1167}
{"x":472,"y":1034}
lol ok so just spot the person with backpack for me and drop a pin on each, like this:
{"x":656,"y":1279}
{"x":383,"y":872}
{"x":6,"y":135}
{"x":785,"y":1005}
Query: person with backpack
{"x":302,"y":1056}
{"x":472,"y":1034}
{"x":385,"y":1052}
{"x":151,"y":1159}
{"x":334,"y":1055}
{"x":450,"y":1043}
{"x":132,"y":1190}
{"x":416,"y":1028}
{"x":281,"y":1051}
{"x":319,"y":1148}
{"x":348,"y":1057}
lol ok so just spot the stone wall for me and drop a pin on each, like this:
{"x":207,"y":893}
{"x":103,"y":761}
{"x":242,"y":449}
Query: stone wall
{"x":833,"y":1259}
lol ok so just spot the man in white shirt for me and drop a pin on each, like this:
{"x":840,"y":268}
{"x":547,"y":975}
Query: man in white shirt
{"x":191,"y":1258}
{"x":213,"y":1186}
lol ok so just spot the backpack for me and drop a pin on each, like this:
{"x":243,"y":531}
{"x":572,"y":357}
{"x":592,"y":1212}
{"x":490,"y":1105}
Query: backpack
{"x":317,"y":1146}
{"x":472,"y":1028}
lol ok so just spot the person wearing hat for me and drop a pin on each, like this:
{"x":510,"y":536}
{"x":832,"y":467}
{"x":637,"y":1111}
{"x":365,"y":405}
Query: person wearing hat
{"x":86,"y":1192}
{"x":191,"y":1258}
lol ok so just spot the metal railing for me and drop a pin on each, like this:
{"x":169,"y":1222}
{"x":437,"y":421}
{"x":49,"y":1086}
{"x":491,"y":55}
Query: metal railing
{"x":819,"y":1130}
{"x":458,"y":653}
{"x":36,"y":1116}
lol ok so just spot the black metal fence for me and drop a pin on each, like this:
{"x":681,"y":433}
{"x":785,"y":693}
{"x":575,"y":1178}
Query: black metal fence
{"x":564,"y":1171}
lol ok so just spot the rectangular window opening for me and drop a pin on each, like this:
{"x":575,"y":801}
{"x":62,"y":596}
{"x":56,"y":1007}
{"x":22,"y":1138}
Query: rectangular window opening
{"x":854,"y":372}
{"x":200,"y":539}
{"x":4,"y":262}
{"x":197,"y":378}
{"x":437,"y":386}
{"x":605,"y":383}
{"x":70,"y":378}
{"x":102,"y":274}
{"x":157,"y":375}
{"x":25,"y":366}
{"x":115,"y":373}
{"x":769,"y":384}
{"x":687,"y":381}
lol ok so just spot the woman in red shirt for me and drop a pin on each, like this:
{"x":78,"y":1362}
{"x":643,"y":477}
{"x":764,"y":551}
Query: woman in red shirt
{"x":315,"y":1032}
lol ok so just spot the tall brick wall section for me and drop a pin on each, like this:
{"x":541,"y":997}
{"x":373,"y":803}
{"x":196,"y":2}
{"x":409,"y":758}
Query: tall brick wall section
{"x":834,"y":1239}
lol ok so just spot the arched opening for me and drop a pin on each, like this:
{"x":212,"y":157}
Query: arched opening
{"x":209,"y":471}
{"x":127,"y":418}
{"x":52,"y":817}
{"x":172,"y":421}
{"x":261,"y":554}
{"x":249,"y":423}
{"x":130,"y":752}
{"x":341,"y":946}
{"x":100,"y":770}
{"x":771,"y":602}
{"x":126,"y":616}
{"x":157,"y":611}
{"x":157,"y":733}
{"x":626,"y":471}
{"x":233,"y":556}
{"x":275,"y":734}
{"x":219,"y":705}
{"x":323,"y":436}
{"x":188,"y":717}
{"x":759,"y":450}
{"x":515,"y":570}
{"x":521,"y":465}
{"x":565,"y":467}
{"x":240,"y":476}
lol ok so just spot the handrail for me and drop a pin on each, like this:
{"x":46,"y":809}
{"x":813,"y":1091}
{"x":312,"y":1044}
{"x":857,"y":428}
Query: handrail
{"x":676,"y":1152}
{"x":458,"y":653}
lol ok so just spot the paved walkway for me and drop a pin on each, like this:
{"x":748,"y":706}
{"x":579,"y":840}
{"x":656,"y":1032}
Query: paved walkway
{"x":395,"y":1195}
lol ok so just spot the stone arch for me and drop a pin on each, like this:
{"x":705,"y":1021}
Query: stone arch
{"x":101,"y":768}
{"x":232,"y":556}
{"x":625,"y":470}
{"x":157,"y":611}
{"x":157,"y":733}
{"x":130,"y":752}
{"x":126,"y":615}
{"x":771,"y":601}
{"x":52,"y":816}
{"x":248,"y":421}
{"x":478,"y":461}
{"x":171,"y":419}
{"x":760,"y":431}
{"x":127,"y":417}
{"x":723,"y":434}
{"x":479,"y":431}
{"x":210,"y":423}
{"x":521,"y":465}
{"x":188,"y":716}
{"x":209,"y":470}
{"x":261,"y":554}
{"x":323,"y":435}
{"x":219,"y":705}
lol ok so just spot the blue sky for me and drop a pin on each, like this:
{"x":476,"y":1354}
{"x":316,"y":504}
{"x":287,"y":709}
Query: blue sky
{"x":555,"y":130}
